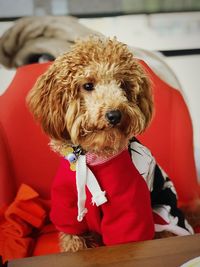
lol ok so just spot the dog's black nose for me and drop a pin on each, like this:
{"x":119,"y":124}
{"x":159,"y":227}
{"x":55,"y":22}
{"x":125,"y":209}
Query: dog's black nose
{"x":113,"y":116}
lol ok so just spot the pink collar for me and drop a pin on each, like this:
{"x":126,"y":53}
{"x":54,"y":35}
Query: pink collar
{"x":93,"y":159}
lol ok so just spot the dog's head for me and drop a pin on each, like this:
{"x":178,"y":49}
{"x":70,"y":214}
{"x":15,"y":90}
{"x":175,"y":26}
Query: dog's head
{"x":97,"y":96}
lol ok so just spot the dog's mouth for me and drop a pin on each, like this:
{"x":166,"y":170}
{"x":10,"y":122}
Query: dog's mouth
{"x":96,"y":130}
{"x":107,"y":139}
{"x":107,"y":142}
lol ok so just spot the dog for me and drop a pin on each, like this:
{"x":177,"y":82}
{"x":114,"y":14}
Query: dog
{"x":92,"y":102}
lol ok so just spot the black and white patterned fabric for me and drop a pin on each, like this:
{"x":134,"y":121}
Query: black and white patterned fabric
{"x":167,"y":215}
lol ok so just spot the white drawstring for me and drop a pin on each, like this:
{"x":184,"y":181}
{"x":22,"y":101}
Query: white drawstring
{"x":98,"y":196}
{"x":85,"y":177}
{"x":81,"y":177}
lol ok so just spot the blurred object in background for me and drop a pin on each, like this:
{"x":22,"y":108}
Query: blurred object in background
{"x":89,"y":8}
{"x":161,"y":32}
{"x":13,"y":9}
{"x":121,"y":7}
{"x":6,"y":76}
{"x":156,"y":61}
{"x":39,"y":39}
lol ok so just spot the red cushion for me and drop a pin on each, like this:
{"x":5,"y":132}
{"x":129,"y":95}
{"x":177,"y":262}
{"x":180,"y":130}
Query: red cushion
{"x":47,"y":242}
{"x":22,"y":143}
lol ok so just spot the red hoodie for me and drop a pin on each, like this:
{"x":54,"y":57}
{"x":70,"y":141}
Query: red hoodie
{"x":126,"y":217}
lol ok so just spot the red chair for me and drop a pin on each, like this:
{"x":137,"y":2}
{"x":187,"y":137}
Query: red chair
{"x":25,"y":156}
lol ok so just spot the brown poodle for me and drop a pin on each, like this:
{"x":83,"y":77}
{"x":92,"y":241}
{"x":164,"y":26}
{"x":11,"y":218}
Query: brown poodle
{"x":96,"y":96}
{"x":73,"y":103}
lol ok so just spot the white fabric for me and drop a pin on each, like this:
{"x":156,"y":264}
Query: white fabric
{"x":171,"y":222}
{"x":81,"y":178}
{"x":85,"y":177}
{"x":98,"y":196}
{"x":144,"y":162}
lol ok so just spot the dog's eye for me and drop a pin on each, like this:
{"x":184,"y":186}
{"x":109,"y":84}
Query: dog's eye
{"x":88,"y":86}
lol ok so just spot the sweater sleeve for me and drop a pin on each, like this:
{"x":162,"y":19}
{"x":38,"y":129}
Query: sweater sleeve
{"x":64,"y":202}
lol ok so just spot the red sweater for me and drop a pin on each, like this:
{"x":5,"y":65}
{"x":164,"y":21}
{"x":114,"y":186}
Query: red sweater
{"x":126,"y":217}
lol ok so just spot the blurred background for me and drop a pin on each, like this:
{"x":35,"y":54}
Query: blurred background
{"x":168,"y":29}
{"x":85,"y":8}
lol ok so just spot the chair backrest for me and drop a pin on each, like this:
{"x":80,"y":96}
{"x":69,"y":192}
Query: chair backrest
{"x":25,"y":156}
{"x":170,"y":138}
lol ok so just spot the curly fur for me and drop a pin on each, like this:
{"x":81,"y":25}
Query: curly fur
{"x":71,"y":115}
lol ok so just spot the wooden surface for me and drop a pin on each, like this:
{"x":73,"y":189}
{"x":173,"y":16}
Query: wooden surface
{"x":168,"y":252}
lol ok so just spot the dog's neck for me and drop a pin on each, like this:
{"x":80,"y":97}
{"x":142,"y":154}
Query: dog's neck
{"x":92,"y":157}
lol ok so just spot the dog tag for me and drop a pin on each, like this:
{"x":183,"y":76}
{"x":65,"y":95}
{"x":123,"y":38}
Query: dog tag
{"x":69,"y":155}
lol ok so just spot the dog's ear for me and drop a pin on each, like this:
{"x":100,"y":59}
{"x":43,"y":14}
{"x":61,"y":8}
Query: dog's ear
{"x":48,"y":101}
{"x":145,"y":97}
